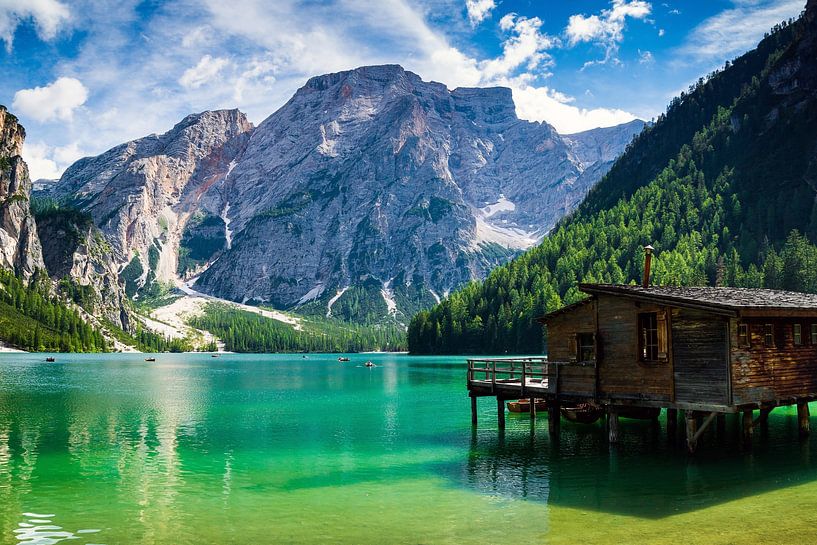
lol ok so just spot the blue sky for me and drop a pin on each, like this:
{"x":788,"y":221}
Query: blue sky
{"x":86,"y":75}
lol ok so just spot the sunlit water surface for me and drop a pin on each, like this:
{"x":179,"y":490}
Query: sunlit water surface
{"x":109,"y":449}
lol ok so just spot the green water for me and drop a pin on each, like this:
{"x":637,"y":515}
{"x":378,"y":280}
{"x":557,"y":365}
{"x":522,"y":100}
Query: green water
{"x":280,"y":449}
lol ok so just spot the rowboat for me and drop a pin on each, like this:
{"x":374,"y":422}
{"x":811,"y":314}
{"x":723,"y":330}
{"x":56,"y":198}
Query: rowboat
{"x":343,"y":359}
{"x":150,"y":359}
{"x":523,"y":405}
{"x":369,"y":364}
{"x":50,"y":359}
{"x":584,"y":413}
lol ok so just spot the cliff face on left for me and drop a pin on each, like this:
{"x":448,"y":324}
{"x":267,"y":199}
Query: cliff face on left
{"x":20,"y":248}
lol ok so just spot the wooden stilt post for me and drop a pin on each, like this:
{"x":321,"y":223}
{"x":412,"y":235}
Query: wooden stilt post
{"x":500,"y":412}
{"x":554,"y":418}
{"x":691,"y":431}
{"x":672,"y":424}
{"x":532,"y":409}
{"x":473,"y":410}
{"x":612,"y":426}
{"x":747,"y":427}
{"x":720,"y":424}
{"x":803,"y":419}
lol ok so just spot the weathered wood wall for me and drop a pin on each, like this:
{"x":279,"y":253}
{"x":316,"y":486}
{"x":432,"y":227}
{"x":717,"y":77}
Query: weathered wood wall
{"x":700,"y":357}
{"x":562,"y":331}
{"x":621,"y":374}
{"x":766,"y":374}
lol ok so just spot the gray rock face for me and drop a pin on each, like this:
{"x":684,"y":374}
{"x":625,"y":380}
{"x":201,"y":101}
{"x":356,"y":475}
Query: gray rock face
{"x":19,"y":245}
{"x":141,"y":194}
{"x":375,"y":174}
{"x":371,"y":192}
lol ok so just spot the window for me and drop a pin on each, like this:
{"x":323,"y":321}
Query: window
{"x":797,"y":334}
{"x":768,"y":335}
{"x":813,"y":333}
{"x":743,"y":335}
{"x":587,"y":346}
{"x":648,"y":336}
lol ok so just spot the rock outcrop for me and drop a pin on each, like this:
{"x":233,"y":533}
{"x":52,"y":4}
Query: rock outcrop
{"x":19,"y":245}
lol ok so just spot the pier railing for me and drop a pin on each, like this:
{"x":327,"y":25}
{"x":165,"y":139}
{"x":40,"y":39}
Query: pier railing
{"x":535,"y":373}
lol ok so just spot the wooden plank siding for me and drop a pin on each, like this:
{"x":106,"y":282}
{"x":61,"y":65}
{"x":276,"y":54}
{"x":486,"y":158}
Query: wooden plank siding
{"x":700,"y":357}
{"x":562,"y":332}
{"x":783,"y":371}
{"x":621,"y":373}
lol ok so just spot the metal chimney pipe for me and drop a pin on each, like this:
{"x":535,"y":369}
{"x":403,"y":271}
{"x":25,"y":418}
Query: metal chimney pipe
{"x":645,"y":281}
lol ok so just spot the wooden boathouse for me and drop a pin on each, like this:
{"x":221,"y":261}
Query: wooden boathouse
{"x":706,"y":351}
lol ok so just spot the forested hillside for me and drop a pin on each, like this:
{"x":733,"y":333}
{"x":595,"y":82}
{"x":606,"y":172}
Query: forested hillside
{"x":722,"y":186}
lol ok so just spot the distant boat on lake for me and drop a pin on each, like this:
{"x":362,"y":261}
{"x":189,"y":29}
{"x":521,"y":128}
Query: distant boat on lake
{"x":50,"y":359}
{"x":150,"y":359}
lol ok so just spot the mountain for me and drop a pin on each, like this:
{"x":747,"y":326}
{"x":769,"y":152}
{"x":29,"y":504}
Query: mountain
{"x":20,"y":248}
{"x":724,"y":186}
{"x":370,"y":194}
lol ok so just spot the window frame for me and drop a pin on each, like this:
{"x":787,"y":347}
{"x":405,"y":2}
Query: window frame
{"x":797,"y":334}
{"x":744,"y":336}
{"x":643,"y":342}
{"x":768,"y":335}
{"x":585,"y":335}
{"x":813,"y":331}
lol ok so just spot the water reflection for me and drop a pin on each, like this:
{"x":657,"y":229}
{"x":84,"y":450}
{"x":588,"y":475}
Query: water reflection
{"x":38,"y":529}
{"x":643,"y":477}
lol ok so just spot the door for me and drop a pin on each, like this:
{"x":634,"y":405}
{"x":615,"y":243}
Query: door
{"x":700,"y":347}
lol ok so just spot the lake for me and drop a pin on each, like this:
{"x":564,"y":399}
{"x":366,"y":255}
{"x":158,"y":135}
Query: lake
{"x":110,"y":449}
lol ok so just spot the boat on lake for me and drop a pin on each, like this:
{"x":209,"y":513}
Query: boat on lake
{"x":369,"y":364}
{"x":50,"y":359}
{"x":584,"y":413}
{"x":343,"y":359}
{"x":523,"y":405}
{"x":213,"y":355}
{"x":150,"y":359}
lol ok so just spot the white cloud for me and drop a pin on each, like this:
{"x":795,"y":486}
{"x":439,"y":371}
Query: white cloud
{"x":55,"y":101}
{"x":661,"y":32}
{"x":479,"y":10}
{"x":607,"y":28}
{"x":526,"y":47}
{"x":206,"y":70}
{"x":737,"y":29}
{"x":544,"y":104}
{"x":47,"y":15}
{"x":645,"y":57}
{"x":49,"y":162}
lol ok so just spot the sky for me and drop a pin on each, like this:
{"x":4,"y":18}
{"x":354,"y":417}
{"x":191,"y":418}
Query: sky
{"x":86,"y":75}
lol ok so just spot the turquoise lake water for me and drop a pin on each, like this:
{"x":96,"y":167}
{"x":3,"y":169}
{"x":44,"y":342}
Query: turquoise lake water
{"x":110,"y":449}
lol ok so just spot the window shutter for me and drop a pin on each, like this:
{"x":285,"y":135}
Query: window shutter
{"x":662,"y":336}
{"x":572,"y":347}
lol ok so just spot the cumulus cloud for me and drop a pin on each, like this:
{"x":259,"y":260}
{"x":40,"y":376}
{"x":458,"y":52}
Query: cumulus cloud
{"x":607,"y":28}
{"x":525,"y":47}
{"x":49,"y":162}
{"x":206,"y":70}
{"x":55,"y":101}
{"x":544,"y":104}
{"x":47,"y":15}
{"x":479,"y":10}
{"x":737,"y":29}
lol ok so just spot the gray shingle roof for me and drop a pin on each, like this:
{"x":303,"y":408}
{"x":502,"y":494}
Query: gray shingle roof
{"x":730,"y":299}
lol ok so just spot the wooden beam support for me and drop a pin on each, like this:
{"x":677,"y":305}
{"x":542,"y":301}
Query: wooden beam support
{"x":691,"y":431}
{"x":703,"y":426}
{"x":803,"y":419}
{"x":748,"y":426}
{"x":672,"y":424}
{"x":500,"y":412}
{"x":612,"y":426}
{"x":554,"y":418}
{"x":532,"y":409}
{"x":474,"y":411}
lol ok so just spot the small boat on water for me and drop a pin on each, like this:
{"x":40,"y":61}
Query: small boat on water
{"x":50,"y":359}
{"x":150,"y":359}
{"x":523,"y":405}
{"x":369,"y":364}
{"x":343,"y":359}
{"x":213,"y":355}
{"x":584,"y":413}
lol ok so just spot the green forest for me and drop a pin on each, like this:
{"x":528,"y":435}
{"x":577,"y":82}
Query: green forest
{"x":32,"y":318}
{"x":731,"y":206}
{"x":243,"y":331}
